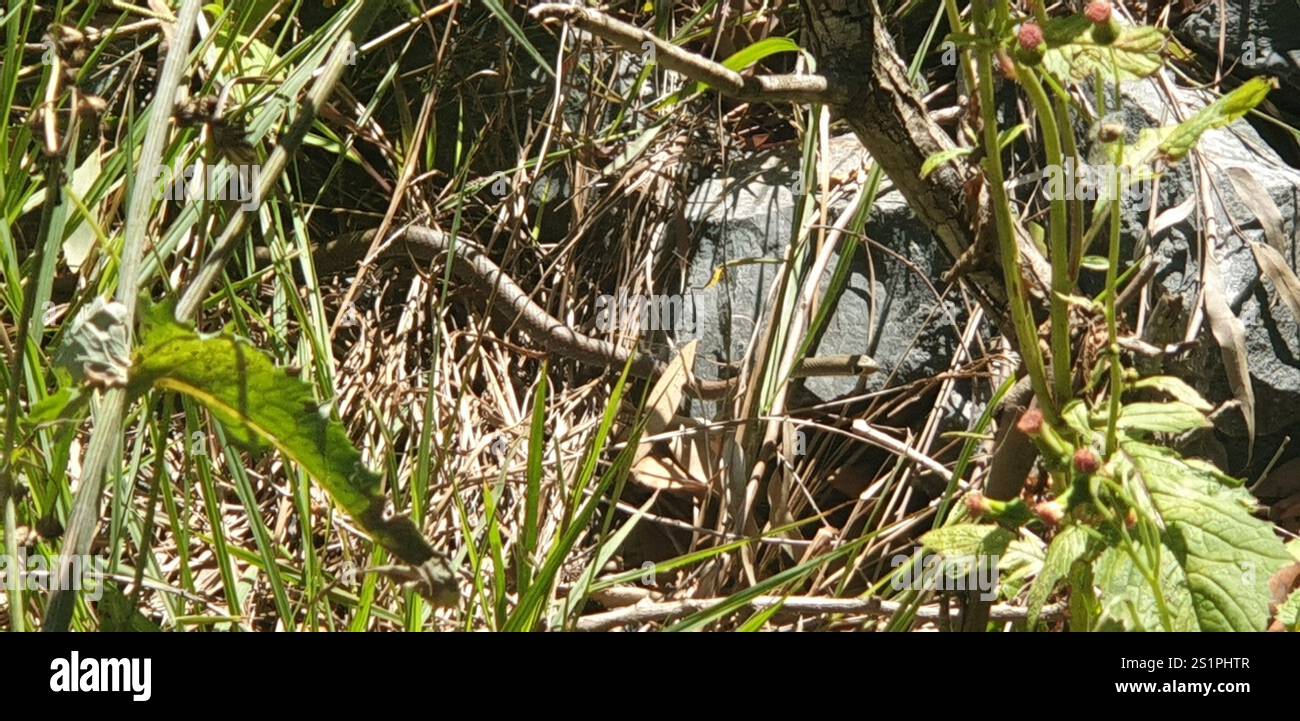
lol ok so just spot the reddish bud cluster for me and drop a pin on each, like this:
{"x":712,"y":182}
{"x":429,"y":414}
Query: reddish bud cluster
{"x":1031,"y":423}
{"x":1050,"y":512}
{"x":1030,"y":37}
{"x":977,"y":504}
{"x":1085,"y":461}
{"x":1098,"y":12}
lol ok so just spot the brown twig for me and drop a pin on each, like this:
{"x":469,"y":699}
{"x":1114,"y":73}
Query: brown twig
{"x":647,"y":612}
{"x":765,"y":88}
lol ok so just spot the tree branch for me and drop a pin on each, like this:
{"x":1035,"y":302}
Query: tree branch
{"x":761,"y":88}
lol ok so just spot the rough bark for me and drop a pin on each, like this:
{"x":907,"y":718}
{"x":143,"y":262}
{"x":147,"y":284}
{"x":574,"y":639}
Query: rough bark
{"x":856,"y":53}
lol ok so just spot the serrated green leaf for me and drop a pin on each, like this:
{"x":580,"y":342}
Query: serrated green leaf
{"x":1227,"y":553}
{"x":1074,"y":54}
{"x":1173,"y":417}
{"x":1288,"y":614}
{"x":1176,"y":388}
{"x":1068,"y":546}
{"x":967,"y":539}
{"x":1224,"y":111}
{"x":262,"y":405}
{"x":1129,"y":603}
{"x":1022,"y":562}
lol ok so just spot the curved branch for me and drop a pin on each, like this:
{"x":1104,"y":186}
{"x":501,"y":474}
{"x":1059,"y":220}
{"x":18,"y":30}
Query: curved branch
{"x":760,"y":88}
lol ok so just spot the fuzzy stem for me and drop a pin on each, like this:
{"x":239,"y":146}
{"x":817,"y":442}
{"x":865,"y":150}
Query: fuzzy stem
{"x":1057,"y":219}
{"x":1008,"y":250}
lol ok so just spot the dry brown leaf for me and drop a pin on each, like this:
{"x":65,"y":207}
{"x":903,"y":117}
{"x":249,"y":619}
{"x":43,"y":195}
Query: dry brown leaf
{"x":666,"y":396}
{"x":663,"y":471}
{"x":1274,"y":267}
{"x":1255,"y":197}
{"x":1231,"y":337}
{"x":1170,"y":217}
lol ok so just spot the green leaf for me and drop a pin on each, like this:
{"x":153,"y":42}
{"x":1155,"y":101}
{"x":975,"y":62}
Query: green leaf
{"x":503,"y":16}
{"x":1073,"y":53}
{"x":1094,"y":262}
{"x":118,"y":615}
{"x":1175,"y":387}
{"x":1084,"y":609}
{"x":1128,"y":601}
{"x":1226,"y":553}
{"x":940,"y":158}
{"x":262,"y":405}
{"x":967,"y":539}
{"x":1068,"y":546}
{"x":1075,"y":415}
{"x":1005,"y":138}
{"x":1022,"y":561}
{"x":1172,"y":417}
{"x":1288,"y":614}
{"x":743,"y":59}
{"x":1224,"y":111}
{"x":65,"y":404}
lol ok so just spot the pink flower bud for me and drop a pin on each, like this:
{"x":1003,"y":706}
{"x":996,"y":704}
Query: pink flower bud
{"x":1030,"y":37}
{"x":1098,"y":12}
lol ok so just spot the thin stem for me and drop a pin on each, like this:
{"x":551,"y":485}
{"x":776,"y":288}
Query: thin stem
{"x":1057,"y":220}
{"x":1008,"y":250}
{"x":213,"y":265}
{"x":108,"y":422}
{"x":1112,"y":291}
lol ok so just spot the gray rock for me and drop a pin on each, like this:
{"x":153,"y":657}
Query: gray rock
{"x":888,"y":309}
{"x":1272,"y":337}
{"x":1263,"y":36}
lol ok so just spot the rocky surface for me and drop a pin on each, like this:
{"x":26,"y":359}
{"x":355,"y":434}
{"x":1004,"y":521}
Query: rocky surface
{"x":1263,"y":36}
{"x":888,"y":309}
{"x":1272,"y":334}
{"x":891,"y":313}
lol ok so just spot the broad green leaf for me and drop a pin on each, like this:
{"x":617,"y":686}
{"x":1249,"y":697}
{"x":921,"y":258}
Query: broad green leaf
{"x":1075,"y":415}
{"x":1073,"y":53}
{"x":967,"y":539}
{"x":1224,"y":111}
{"x":1068,"y":546}
{"x":1175,"y":387}
{"x":1288,"y":614}
{"x":1022,"y":561}
{"x":262,"y":405}
{"x":64,"y":404}
{"x":1172,"y":417}
{"x":1128,"y":601}
{"x":1226,"y":553}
